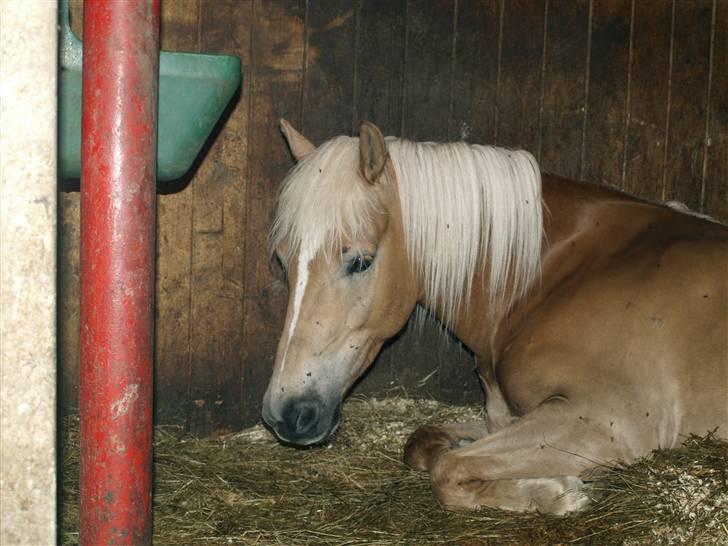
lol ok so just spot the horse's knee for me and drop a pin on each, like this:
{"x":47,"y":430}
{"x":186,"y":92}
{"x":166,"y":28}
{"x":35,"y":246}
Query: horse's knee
{"x":425,"y":446}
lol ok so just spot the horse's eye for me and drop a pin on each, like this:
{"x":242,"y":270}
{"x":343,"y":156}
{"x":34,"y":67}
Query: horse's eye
{"x":279,"y":268}
{"x":359,"y":264}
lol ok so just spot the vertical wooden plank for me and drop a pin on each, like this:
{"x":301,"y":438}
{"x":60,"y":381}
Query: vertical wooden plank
{"x":606,"y":107}
{"x":564,"y":96}
{"x":688,"y":101}
{"x":650,"y":74}
{"x":519,"y":89}
{"x":329,"y":72}
{"x":276,"y":72}
{"x":475,"y":67}
{"x":429,"y":27}
{"x":69,"y":274}
{"x":179,"y":32}
{"x":716,"y":160}
{"x":380,"y":64}
{"x":218,"y":193}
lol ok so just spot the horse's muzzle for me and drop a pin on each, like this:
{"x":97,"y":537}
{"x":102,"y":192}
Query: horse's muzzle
{"x":304,"y":421}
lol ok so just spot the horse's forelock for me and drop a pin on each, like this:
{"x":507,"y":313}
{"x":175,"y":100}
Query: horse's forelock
{"x":323,"y":199}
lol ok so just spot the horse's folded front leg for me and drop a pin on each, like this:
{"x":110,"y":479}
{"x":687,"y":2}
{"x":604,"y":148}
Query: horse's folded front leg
{"x":532,"y":464}
{"x":429,"y":442}
{"x":457,"y":489}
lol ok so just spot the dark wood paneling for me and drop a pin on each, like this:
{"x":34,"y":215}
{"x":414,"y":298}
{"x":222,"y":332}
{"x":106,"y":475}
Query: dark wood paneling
{"x":179,"y":32}
{"x":276,"y":72}
{"x":519,"y":83}
{"x":218,"y":220}
{"x":606,"y":110}
{"x":329,"y":72}
{"x":564,"y":86}
{"x":428,"y":69}
{"x":69,"y":297}
{"x":688,"y":102}
{"x":647,"y":122}
{"x":716,"y":162}
{"x":380,"y":64}
{"x":475,"y":71}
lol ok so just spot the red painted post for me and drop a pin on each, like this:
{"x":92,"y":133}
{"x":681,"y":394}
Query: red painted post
{"x":118,"y":166}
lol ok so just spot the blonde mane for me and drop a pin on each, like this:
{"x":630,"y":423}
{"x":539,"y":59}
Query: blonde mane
{"x":459,"y":202}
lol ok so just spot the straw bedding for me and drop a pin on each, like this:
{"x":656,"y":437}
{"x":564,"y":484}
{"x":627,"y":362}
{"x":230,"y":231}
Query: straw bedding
{"x":245,"y":488}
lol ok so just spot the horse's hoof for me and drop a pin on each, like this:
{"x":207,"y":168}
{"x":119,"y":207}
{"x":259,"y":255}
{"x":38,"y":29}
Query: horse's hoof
{"x":425,"y":446}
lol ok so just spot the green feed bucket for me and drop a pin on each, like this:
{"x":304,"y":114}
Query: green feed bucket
{"x":194,"y":90}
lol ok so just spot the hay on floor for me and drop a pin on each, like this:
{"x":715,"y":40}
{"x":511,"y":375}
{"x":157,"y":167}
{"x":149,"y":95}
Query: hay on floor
{"x":245,"y":488}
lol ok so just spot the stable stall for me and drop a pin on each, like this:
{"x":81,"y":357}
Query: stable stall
{"x":623,"y":94}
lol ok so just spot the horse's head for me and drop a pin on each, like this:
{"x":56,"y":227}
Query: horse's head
{"x":338,"y":235}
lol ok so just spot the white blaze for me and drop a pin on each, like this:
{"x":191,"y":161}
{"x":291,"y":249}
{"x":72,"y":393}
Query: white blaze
{"x":304,"y":260}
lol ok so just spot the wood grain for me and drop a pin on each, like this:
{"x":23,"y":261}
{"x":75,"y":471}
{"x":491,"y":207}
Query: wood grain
{"x":218,"y":220}
{"x":69,"y":297}
{"x":519,"y":88}
{"x":428,"y":69}
{"x":564,"y":87}
{"x":380,"y":64}
{"x":647,"y":122}
{"x":606,"y":111}
{"x":688,"y":102}
{"x":329,"y":72}
{"x":715,"y":190}
{"x":179,"y":32}
{"x":475,"y":72}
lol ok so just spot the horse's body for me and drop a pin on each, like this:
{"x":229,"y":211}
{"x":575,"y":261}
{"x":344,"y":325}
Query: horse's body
{"x":618,"y":346}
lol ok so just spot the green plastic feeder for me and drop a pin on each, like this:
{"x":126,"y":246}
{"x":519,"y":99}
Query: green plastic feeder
{"x":194,"y":89}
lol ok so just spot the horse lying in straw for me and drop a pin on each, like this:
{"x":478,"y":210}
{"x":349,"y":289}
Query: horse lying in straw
{"x":598,"y":320}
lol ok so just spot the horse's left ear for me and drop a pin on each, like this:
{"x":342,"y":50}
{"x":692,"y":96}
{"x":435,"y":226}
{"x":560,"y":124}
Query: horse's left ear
{"x":300,"y":146}
{"x":372,"y":152}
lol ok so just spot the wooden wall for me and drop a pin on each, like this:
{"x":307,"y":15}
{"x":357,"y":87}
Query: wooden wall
{"x":629,"y":93}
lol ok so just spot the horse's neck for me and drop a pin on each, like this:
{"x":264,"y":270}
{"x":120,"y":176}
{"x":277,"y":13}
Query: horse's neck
{"x":583,"y":227}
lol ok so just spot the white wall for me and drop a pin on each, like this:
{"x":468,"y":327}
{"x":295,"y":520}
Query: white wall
{"x":28,"y":42}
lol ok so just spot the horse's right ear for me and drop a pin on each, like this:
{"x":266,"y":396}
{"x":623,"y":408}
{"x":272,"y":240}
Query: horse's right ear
{"x":372,"y":151}
{"x":300,"y":146}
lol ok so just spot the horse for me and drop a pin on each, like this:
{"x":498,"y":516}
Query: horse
{"x":598,"y":320}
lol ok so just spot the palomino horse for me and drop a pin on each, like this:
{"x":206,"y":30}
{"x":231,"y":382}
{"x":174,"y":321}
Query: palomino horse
{"x":599,"y":321}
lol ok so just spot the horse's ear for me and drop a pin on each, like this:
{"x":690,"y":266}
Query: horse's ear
{"x":300,"y":146}
{"x":372,"y":151}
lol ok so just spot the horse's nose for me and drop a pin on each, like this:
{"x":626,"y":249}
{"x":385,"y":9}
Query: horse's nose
{"x":300,"y":417}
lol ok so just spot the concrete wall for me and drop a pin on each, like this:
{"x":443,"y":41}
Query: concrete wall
{"x":28,"y":42}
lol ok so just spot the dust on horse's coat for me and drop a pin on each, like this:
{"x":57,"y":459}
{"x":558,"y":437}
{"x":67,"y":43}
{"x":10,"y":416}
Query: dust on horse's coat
{"x":599,"y":321}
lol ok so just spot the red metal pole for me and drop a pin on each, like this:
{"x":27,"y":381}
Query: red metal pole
{"x":118,"y":175}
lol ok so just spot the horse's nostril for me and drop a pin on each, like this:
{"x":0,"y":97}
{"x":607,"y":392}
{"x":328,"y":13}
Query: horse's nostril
{"x":301,"y":417}
{"x":307,"y":416}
